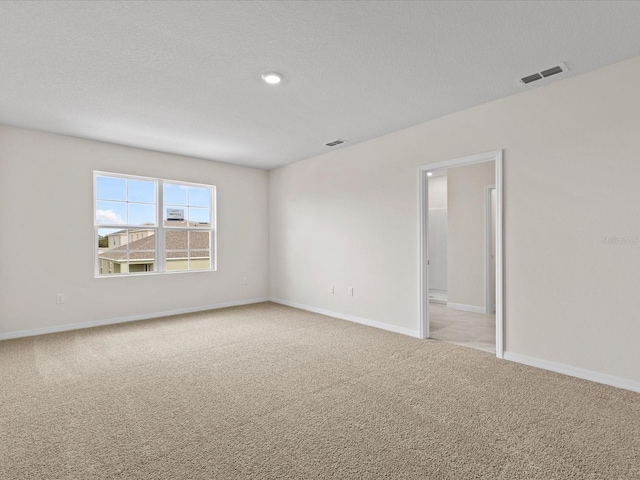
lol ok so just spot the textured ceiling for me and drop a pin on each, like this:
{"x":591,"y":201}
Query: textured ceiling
{"x":184,"y":77}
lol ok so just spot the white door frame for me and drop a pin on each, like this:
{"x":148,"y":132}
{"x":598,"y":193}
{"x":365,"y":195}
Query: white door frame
{"x":495,"y":156}
{"x":489,"y":294}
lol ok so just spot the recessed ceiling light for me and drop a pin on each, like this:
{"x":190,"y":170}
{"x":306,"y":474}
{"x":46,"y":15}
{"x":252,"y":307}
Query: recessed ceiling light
{"x":272,"y":77}
{"x":429,"y":174}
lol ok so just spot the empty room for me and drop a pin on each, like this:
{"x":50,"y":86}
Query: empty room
{"x":319,"y":240}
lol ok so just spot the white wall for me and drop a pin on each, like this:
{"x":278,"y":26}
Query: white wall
{"x":438,"y":232}
{"x":438,"y":192}
{"x":571,"y":168}
{"x":466,"y":257}
{"x":46,"y":239}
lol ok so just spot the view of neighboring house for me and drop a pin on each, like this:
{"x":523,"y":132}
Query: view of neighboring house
{"x":122,"y":237}
{"x":132,"y":251}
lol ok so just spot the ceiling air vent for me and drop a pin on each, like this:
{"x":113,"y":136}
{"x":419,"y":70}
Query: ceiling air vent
{"x":551,"y":71}
{"x":560,"y":68}
{"x":338,"y":141}
{"x":531,"y":78}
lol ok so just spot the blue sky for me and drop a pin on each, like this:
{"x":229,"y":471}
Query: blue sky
{"x":121,"y":201}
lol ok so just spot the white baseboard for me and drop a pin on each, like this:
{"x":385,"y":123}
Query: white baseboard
{"x":350,"y":318}
{"x":627,"y":384}
{"x":131,"y":318}
{"x":466,"y":308}
{"x":598,"y":377}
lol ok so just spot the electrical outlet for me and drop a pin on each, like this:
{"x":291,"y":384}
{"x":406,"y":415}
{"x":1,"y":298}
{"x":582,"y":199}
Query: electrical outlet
{"x":351,"y":291}
{"x":59,"y":298}
{"x":245,"y":281}
{"x":331,"y":289}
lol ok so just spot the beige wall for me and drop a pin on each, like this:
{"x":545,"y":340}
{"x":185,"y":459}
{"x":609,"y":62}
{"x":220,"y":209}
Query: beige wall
{"x":46,"y":183}
{"x":571,"y":170}
{"x":466,"y":233}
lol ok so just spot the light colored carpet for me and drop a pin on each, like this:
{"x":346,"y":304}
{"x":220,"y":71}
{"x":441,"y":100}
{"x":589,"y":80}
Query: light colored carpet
{"x":266,"y":391}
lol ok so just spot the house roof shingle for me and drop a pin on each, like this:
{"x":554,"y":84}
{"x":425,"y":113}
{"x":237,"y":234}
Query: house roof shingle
{"x":144,"y":248}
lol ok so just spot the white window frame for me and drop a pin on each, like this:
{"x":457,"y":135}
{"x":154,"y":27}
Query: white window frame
{"x":160,"y":229}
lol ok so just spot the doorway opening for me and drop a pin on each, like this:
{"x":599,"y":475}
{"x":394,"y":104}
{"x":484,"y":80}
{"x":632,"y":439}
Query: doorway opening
{"x":461,"y":258}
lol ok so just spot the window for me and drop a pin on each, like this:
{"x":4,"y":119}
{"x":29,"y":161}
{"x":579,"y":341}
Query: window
{"x":145,"y":225}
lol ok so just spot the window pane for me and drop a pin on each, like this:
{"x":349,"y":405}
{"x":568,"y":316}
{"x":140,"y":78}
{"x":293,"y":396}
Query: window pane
{"x":177,"y":264}
{"x":175,"y":194}
{"x":141,"y":242}
{"x":110,"y":238}
{"x":141,"y":267}
{"x":174,"y":215}
{"x":142,"y":250}
{"x":111,"y":213}
{"x":142,"y":214}
{"x":177,"y":261}
{"x":108,"y":188}
{"x":199,"y":197}
{"x":199,"y":217}
{"x":103,"y":246}
{"x":199,"y":260}
{"x":142,"y":191}
{"x":126,"y":251}
{"x":176,"y":240}
{"x":112,"y":251}
{"x":198,"y":240}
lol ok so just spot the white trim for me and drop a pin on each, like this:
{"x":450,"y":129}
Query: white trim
{"x":466,"y":308}
{"x":598,"y":377}
{"x":130,"y":318}
{"x":423,"y":208}
{"x":351,"y":318}
{"x":489,"y":294}
{"x":469,"y":160}
{"x":500,"y":320}
{"x":161,"y":250}
{"x":423,"y":238}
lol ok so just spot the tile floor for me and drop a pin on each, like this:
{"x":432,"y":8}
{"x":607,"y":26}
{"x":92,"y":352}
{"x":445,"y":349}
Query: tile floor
{"x":475,"y":330}
{"x":438,"y":296}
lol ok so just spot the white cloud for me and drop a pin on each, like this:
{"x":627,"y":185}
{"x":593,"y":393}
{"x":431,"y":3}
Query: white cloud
{"x":108,"y":217}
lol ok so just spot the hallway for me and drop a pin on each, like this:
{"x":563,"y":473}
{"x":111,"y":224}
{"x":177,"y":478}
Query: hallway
{"x":475,"y":330}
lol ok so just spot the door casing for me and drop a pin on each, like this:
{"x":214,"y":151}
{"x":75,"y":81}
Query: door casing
{"x":423,"y":209}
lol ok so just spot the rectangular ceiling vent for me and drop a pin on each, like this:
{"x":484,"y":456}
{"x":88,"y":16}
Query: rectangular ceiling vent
{"x":338,"y":141}
{"x":560,"y":68}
